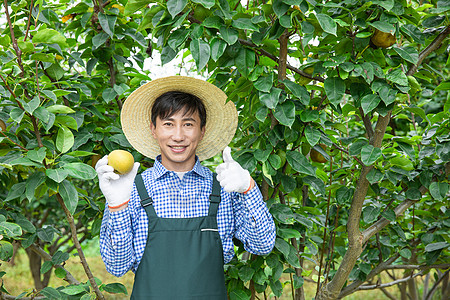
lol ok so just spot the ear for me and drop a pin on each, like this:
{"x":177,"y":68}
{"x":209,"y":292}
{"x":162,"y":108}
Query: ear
{"x":203,"y":132}
{"x":153,"y":129}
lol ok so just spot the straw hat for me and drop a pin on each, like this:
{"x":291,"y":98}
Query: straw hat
{"x":221,"y":116}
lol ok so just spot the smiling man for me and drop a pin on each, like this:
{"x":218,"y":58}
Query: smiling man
{"x":174,"y":224}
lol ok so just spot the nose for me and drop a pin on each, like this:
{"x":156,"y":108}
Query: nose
{"x":178,"y":134}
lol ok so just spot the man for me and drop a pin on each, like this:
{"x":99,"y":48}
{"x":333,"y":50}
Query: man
{"x":173,"y":225}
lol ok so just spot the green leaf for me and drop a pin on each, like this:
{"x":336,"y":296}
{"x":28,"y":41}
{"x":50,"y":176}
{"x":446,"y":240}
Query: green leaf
{"x":25,"y":224}
{"x":298,"y":281}
{"x":6,"y":250}
{"x":16,"y":191}
{"x":285,"y":113}
{"x":386,"y":4}
{"x":64,"y":139}
{"x":327,"y":23}
{"x":31,"y":106}
{"x":370,"y":214}
{"x":10,"y":229}
{"x":374,"y":176}
{"x":413,"y":32}
{"x":408,"y":53}
{"x":344,"y":195}
{"x":279,"y":8}
{"x":218,"y":47}
{"x":300,"y":163}
{"x":436,"y":246}
{"x":288,"y":233}
{"x":73,"y":290}
{"x":134,"y":5}
{"x":312,"y":135}
{"x":62,"y":109}
{"x":245,"y":61}
{"x":439,"y":190}
{"x":46,"y":266}
{"x":383,"y":26}
{"x":107,"y":22}
{"x":389,"y":215}
{"x":17,"y":114}
{"x":55,"y":71}
{"x":49,"y":36}
{"x":244,"y":24}
{"x":264,"y":83}
{"x":206,"y":3}
{"x":115,"y":288}
{"x":443,"y":86}
{"x":57,"y":175}
{"x":402,"y":162}
{"x":370,"y":154}
{"x":176,"y":6}
{"x":59,"y":257}
{"x":99,"y":39}
{"x":109,"y":94}
{"x":60,"y":273}
{"x":309,"y":115}
{"x":200,"y":51}
{"x":69,"y":194}
{"x":270,"y":100}
{"x":413,"y":193}
{"x":230,"y":35}
{"x":37,"y":155}
{"x":236,"y":294}
{"x":46,"y":234}
{"x":50,"y":292}
{"x":33,"y":182}
{"x":370,"y":102}
{"x":398,"y":76}
{"x":80,"y":171}
{"x":335,"y":90}
{"x":299,"y":91}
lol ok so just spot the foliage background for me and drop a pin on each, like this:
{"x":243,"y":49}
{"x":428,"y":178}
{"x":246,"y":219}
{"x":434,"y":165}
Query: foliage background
{"x":307,"y":79}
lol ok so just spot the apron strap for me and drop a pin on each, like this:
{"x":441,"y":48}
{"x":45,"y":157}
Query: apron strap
{"x":146,"y":200}
{"x":214,"y":198}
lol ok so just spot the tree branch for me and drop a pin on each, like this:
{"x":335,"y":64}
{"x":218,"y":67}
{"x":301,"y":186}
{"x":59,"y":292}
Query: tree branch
{"x":47,"y":257}
{"x":433,"y":289}
{"x":381,"y":223}
{"x":377,"y":270}
{"x":275,"y":59}
{"x":392,"y":283}
{"x":84,"y":263}
{"x":367,"y":124}
{"x":434,"y":45}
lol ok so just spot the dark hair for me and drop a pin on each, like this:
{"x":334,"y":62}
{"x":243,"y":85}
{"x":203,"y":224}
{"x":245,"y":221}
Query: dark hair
{"x":170,"y":103}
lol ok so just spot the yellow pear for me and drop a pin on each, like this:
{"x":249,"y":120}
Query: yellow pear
{"x":122,"y":161}
{"x":383,"y":39}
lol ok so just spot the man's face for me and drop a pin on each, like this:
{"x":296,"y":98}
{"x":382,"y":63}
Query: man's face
{"x":178,"y":137}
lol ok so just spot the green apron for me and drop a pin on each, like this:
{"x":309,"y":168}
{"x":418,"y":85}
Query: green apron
{"x":183,"y":258}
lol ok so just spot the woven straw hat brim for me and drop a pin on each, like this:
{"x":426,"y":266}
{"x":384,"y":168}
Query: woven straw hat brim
{"x":221,"y":116}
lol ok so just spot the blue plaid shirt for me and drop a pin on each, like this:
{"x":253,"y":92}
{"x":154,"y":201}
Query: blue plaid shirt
{"x":123,"y":234}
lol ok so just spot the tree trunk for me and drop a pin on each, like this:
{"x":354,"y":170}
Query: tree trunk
{"x":35,"y":263}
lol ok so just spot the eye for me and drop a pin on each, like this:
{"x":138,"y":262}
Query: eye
{"x":167,"y":124}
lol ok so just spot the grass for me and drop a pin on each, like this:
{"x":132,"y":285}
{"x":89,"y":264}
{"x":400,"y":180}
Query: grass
{"x":18,"y":278}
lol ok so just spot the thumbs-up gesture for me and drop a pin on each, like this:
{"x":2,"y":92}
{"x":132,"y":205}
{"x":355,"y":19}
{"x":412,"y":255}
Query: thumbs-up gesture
{"x":232,"y":177}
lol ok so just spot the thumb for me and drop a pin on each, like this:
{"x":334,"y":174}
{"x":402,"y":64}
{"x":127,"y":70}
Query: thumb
{"x":227,"y":155}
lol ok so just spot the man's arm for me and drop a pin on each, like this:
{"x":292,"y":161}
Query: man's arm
{"x":116,"y":242}
{"x":254,"y":224}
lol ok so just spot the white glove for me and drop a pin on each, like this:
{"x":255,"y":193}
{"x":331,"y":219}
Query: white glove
{"x":116,"y":188}
{"x":231,"y":176}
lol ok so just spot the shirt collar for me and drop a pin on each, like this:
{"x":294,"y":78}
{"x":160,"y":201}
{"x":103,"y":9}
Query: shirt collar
{"x":160,"y":170}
